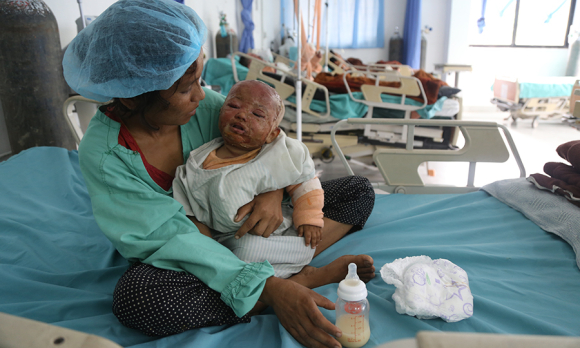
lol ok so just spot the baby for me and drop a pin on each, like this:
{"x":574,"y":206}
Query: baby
{"x":254,"y":156}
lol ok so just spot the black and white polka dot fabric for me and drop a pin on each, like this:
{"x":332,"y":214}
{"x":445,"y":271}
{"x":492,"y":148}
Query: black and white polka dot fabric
{"x":349,"y":200}
{"x":161,"y":302}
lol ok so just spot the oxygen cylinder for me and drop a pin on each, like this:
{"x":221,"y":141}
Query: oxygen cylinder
{"x":226,"y":41}
{"x":32,"y":86}
{"x":226,"y":44}
{"x":396,"y":47}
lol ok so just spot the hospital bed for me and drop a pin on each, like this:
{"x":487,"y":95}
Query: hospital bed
{"x":533,"y":98}
{"x":58,"y":268}
{"x":321,"y":109}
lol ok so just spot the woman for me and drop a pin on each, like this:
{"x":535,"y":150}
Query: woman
{"x":146,"y":55}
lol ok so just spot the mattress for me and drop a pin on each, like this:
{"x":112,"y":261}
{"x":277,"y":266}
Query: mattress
{"x":546,"y":87}
{"x":534,"y":87}
{"x":57,"y":267}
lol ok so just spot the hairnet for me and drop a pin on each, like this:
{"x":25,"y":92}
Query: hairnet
{"x":134,"y":47}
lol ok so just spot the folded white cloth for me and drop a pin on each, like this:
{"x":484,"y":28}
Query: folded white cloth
{"x":429,"y":288}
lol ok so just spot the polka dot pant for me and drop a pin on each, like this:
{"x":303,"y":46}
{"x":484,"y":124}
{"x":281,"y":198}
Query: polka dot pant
{"x":161,"y":302}
{"x":349,"y":200}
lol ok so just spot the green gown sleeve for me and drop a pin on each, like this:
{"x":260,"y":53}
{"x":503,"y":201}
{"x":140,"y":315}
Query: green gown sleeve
{"x":146,"y":224}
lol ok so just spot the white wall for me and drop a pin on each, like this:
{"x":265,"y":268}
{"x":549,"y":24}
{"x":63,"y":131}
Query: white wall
{"x":67,"y":11}
{"x":488,"y":62}
{"x":435,"y":14}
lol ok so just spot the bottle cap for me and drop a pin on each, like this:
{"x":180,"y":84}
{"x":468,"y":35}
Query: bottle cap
{"x":352,"y":288}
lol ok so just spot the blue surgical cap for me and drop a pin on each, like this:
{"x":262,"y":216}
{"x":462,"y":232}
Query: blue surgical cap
{"x":134,"y":47}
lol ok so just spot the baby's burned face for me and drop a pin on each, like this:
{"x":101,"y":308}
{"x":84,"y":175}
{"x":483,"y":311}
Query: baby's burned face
{"x":248,"y":117}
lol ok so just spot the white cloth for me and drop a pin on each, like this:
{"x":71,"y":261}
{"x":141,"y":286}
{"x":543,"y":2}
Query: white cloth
{"x":429,"y":288}
{"x":214,"y":197}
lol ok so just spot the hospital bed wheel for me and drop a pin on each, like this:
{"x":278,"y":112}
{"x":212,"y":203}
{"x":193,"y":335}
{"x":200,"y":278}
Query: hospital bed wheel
{"x":400,"y":189}
{"x":327,"y":155}
{"x":536,"y":122}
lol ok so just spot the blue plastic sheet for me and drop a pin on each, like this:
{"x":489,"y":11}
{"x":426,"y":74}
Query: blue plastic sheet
{"x":57,"y":267}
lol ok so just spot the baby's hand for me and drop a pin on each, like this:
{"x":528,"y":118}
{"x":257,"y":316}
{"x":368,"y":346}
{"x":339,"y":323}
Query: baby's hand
{"x":312,"y":234}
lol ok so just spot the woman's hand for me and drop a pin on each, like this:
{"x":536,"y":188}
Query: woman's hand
{"x":297,"y":309}
{"x":265,"y":214}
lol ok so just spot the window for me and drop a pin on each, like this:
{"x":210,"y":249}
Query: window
{"x":353,"y":23}
{"x":520,"y":23}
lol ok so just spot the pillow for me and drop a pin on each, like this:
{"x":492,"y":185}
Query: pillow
{"x":447,"y":91}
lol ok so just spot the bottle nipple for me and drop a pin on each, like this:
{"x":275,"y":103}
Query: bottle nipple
{"x":352,"y":275}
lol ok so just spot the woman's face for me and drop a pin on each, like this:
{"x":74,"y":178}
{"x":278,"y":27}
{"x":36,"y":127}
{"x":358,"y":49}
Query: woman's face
{"x":183,"y":98}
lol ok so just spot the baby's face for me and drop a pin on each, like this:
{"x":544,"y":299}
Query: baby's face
{"x":248,"y":117}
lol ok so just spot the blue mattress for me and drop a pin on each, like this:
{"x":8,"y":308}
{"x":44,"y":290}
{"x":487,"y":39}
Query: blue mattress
{"x":57,"y":267}
{"x":218,"y":72}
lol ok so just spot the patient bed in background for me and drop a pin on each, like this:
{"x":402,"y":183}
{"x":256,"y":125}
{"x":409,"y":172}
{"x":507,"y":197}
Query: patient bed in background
{"x":321,"y":109}
{"x":536,"y":98}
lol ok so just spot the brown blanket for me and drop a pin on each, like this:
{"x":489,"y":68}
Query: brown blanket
{"x":335,"y":84}
{"x":563,"y":179}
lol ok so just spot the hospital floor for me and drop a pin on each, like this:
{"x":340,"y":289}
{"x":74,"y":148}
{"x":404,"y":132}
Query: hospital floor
{"x":536,"y":146}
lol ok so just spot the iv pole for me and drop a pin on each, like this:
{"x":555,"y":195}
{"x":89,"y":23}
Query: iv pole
{"x":82,"y":14}
{"x":299,"y":78}
{"x":326,"y":60}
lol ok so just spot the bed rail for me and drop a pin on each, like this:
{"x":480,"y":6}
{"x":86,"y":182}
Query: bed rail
{"x":339,"y":69}
{"x":399,"y":167}
{"x":74,"y":128}
{"x":410,"y":86}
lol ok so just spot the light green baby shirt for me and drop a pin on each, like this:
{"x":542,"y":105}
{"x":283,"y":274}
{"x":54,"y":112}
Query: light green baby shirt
{"x":146,"y":224}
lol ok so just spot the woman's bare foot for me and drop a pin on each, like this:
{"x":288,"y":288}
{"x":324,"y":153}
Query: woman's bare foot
{"x":335,"y":271}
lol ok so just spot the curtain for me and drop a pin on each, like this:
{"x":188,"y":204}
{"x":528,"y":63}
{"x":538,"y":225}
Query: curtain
{"x":351,"y":23}
{"x":481,"y":21}
{"x":412,"y":35}
{"x":247,"y":39}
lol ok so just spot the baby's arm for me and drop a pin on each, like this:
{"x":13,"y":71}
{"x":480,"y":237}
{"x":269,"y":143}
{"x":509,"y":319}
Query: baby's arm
{"x":201,"y":227}
{"x":308,"y":201}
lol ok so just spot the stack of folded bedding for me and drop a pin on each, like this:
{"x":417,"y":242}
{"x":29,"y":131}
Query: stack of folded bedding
{"x":562,"y":179}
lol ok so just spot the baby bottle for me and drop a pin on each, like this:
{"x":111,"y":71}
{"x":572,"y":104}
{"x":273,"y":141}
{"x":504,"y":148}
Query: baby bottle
{"x":352,"y":310}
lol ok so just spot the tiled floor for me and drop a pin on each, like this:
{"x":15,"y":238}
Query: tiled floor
{"x":536,"y":146}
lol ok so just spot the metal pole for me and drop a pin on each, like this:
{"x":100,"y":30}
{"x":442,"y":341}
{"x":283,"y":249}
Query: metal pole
{"x":298,"y":79}
{"x":327,"y":51}
{"x":82,"y":15}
